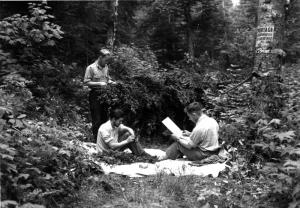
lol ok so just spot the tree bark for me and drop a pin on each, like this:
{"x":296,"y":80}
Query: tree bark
{"x":268,"y":58}
{"x":112,"y":32}
{"x":189,"y":31}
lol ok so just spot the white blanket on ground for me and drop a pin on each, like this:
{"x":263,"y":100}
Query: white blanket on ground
{"x":173,"y":167}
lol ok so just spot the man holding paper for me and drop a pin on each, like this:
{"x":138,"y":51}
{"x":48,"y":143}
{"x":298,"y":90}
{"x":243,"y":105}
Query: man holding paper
{"x":201,"y":143}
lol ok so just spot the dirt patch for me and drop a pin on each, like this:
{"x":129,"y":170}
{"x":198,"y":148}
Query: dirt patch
{"x":121,"y":158}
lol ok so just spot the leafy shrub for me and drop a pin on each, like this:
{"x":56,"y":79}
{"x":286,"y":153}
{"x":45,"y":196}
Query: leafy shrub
{"x":148,"y":93}
{"x":39,"y":165}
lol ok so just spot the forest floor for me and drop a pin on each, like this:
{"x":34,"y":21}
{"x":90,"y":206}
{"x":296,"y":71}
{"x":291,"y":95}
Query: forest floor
{"x":233,"y":188}
{"x":239,"y":186}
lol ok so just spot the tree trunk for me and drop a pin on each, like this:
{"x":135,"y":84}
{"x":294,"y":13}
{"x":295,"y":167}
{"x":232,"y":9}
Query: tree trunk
{"x":268,"y":57}
{"x":112,"y":32}
{"x":189,"y":31}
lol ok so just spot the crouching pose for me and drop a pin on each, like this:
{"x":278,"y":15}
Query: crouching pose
{"x":201,"y":143}
{"x":113,"y":135}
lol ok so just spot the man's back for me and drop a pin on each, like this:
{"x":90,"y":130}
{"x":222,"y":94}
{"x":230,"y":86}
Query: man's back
{"x":205,"y":133}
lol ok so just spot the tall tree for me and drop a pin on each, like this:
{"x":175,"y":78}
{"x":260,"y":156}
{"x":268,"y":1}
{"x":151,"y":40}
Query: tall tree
{"x":268,"y":57}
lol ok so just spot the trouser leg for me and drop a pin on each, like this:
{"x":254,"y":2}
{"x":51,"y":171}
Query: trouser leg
{"x":194,"y":154}
{"x":135,"y":146}
{"x":98,"y":113}
{"x":173,"y":151}
{"x":176,"y":149}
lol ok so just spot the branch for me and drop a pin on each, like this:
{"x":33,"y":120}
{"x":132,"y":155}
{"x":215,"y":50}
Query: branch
{"x":249,"y":78}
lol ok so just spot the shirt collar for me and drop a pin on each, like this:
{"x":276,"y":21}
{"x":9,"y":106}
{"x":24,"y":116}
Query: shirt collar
{"x":98,"y":66}
{"x":110,"y":125}
{"x":202,"y":117}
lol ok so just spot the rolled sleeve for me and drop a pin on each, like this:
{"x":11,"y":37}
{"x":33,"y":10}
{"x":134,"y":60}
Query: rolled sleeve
{"x":106,"y":136}
{"x":197,"y":136}
{"x":88,"y":75}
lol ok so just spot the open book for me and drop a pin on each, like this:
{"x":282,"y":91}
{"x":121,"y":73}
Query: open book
{"x":172,"y":126}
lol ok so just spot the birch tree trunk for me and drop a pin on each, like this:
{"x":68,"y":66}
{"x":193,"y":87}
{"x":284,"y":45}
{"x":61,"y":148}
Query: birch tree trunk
{"x":268,"y":57}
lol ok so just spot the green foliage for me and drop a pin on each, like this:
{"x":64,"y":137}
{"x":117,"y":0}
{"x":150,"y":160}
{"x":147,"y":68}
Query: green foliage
{"x":291,"y":44}
{"x":149,"y":93}
{"x":39,"y":166}
{"x":30,"y":32}
{"x":165,"y":24}
{"x":239,"y":37}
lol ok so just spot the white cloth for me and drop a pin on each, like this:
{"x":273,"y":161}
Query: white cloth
{"x":174,"y":167}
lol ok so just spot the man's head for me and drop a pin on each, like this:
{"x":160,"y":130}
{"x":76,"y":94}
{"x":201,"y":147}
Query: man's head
{"x":116,"y":117}
{"x":104,"y":55}
{"x":194,"y":111}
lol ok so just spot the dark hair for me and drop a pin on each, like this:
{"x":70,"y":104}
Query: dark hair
{"x":116,"y":113}
{"x":193,"y":107}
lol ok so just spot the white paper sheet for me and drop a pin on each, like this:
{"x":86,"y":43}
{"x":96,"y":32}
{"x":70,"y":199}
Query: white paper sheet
{"x":172,"y":126}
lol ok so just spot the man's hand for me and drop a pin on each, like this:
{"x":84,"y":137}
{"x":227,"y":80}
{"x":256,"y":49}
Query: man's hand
{"x":175,"y":137}
{"x":130,"y":139}
{"x":186,"y":133}
{"x":112,"y":82}
{"x":101,"y":83}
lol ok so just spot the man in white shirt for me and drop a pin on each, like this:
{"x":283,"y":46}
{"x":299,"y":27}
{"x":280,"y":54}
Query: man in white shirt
{"x":113,"y":135}
{"x":97,"y":77}
{"x":202,"y":142}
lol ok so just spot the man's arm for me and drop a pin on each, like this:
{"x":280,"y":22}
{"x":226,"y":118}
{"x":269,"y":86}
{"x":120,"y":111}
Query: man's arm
{"x":88,"y":79}
{"x":117,"y":145}
{"x":93,"y":84}
{"x":126,"y":128}
{"x":184,"y":141}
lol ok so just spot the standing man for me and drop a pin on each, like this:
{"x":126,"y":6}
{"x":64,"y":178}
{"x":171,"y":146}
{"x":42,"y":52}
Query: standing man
{"x":97,"y":77}
{"x":113,"y":135}
{"x":201,"y":143}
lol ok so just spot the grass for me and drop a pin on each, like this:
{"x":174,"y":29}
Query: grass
{"x":171,"y":191}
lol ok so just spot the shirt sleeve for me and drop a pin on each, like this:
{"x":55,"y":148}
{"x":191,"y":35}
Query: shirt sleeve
{"x":197,"y":136}
{"x":88,"y":75}
{"x":105,"y":135}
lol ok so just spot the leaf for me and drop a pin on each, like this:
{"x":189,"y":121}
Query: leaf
{"x":9,"y":203}
{"x":2,"y":123}
{"x":65,"y":152}
{"x":50,"y":43}
{"x":47,"y":177}
{"x":285,"y":136}
{"x":275,"y":121}
{"x":19,"y":124}
{"x":24,"y":175}
{"x":29,"y":205}
{"x":268,"y":135}
{"x":4,"y":146}
{"x":12,"y":121}
{"x":294,"y":204}
{"x":12,"y":168}
{"x":10,"y":150}
{"x":35,"y":170}
{"x":295,"y":151}
{"x":21,"y":116}
{"x":3,"y":110}
{"x":292,"y":163}
{"x":26,"y":186}
{"x":296,"y":190}
{"x":5,"y":156}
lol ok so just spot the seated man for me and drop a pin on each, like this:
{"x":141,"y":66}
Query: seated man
{"x":201,"y":143}
{"x":113,"y":135}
